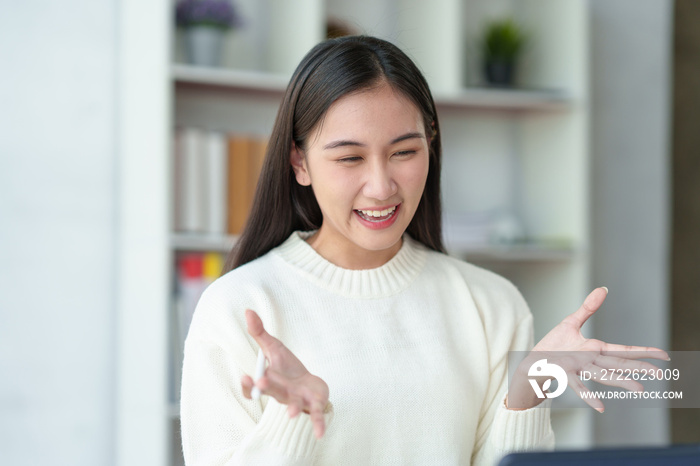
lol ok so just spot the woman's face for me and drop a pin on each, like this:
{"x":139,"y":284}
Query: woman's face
{"x":367,"y":162}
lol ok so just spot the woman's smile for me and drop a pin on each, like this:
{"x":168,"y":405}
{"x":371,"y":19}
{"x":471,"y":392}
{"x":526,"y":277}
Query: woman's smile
{"x":377,"y":219}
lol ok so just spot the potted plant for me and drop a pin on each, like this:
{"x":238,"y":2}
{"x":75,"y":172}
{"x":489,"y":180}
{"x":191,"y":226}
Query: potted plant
{"x":501,"y":46}
{"x":204,"y":23}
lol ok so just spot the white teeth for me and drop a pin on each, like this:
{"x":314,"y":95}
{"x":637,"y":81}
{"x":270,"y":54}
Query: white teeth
{"x":378,"y":213}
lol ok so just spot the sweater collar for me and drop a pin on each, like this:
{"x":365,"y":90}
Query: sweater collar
{"x":385,"y":280}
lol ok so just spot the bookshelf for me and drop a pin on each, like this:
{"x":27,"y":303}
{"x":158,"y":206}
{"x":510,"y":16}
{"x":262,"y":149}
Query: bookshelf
{"x":467,"y":98}
{"x":520,"y":152}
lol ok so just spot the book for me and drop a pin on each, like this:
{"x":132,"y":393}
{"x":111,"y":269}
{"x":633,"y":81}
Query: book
{"x":215,"y":178}
{"x":190,"y":198}
{"x":216,"y":183}
{"x":239,"y":172}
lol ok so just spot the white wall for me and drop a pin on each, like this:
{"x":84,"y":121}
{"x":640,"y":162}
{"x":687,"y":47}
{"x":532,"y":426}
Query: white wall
{"x":57,"y":232}
{"x":631,"y":58}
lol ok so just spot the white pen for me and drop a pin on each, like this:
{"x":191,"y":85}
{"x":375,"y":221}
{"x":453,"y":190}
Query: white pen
{"x":259,"y":372}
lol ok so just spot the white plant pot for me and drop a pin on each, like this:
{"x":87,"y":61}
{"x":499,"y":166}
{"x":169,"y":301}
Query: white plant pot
{"x":203,"y":45}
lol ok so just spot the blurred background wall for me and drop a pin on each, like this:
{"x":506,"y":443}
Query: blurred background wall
{"x":631,"y":63}
{"x":58,"y":216}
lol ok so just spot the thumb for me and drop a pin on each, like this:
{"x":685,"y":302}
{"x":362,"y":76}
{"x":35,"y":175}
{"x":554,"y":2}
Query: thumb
{"x":258,"y":332}
{"x":590,"y":305}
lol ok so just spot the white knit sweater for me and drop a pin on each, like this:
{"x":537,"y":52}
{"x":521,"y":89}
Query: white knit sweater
{"x":414,"y":354}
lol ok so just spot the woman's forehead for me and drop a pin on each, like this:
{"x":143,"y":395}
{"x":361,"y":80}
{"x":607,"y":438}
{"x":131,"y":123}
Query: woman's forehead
{"x":378,"y":112}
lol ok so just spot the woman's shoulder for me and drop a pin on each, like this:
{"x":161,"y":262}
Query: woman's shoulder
{"x":244,"y":283}
{"x":474,"y":275}
{"x":493,"y":294}
{"x":222,"y":304}
{"x":258,"y":270}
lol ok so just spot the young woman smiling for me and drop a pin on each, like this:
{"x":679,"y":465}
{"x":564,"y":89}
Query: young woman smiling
{"x":367,"y":164}
{"x":385,"y":349}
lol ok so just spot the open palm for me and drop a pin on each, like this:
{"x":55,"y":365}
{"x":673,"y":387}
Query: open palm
{"x":286,"y":378}
{"x":566,"y":347}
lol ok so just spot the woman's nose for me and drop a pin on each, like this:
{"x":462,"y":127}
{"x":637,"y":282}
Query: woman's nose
{"x":379,"y":183}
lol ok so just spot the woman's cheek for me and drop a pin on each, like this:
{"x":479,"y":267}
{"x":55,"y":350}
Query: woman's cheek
{"x":340,"y":184}
{"x":416,"y":175}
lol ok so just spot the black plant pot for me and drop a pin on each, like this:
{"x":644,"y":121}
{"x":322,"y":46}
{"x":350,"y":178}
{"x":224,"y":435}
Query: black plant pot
{"x":500,"y":73}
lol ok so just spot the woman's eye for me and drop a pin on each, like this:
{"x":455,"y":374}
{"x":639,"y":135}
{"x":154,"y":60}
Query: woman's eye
{"x":404,"y":153}
{"x":350,"y":159}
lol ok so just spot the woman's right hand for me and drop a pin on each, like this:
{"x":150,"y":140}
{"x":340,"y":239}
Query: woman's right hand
{"x":286,"y":379}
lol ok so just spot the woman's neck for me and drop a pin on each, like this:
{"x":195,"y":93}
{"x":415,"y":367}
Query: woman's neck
{"x":348,"y":255}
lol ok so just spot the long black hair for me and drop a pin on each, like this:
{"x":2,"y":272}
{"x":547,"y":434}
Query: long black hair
{"x":331,"y":70}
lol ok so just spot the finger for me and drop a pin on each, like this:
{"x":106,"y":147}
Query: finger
{"x":296,"y":405}
{"x":258,"y":332}
{"x":317,"y":419}
{"x":578,"y":386}
{"x":629,"y":366}
{"x":590,"y":305}
{"x":293,"y":410}
{"x":614,"y":379}
{"x":634,"y":352}
{"x":247,"y":385}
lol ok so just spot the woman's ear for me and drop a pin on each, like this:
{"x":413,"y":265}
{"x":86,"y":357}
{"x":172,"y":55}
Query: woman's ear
{"x":298,"y":161}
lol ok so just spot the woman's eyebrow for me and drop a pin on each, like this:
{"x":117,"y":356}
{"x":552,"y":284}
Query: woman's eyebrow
{"x":346,"y":142}
{"x":342,"y":143}
{"x":408,"y":136}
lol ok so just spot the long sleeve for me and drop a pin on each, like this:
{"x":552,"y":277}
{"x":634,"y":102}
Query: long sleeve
{"x":219,"y":425}
{"x":502,"y":431}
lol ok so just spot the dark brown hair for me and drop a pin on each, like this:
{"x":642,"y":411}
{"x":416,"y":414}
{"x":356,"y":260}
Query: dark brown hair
{"x":331,"y":70}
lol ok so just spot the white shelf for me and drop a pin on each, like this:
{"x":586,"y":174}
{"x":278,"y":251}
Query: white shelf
{"x":241,"y":80}
{"x":477,"y":98}
{"x":525,"y":252}
{"x":505,"y":99}
{"x":522,"y":252}
{"x":202,"y":242}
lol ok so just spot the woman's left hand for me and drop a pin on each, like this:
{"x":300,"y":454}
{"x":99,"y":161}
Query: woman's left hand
{"x":579,"y":354}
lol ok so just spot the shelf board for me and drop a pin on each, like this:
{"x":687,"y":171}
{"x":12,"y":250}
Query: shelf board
{"x":505,"y":99}
{"x":525,"y":252}
{"x":521,"y":252}
{"x":474,"y":97}
{"x":243,"y":80}
{"x":202,"y":242}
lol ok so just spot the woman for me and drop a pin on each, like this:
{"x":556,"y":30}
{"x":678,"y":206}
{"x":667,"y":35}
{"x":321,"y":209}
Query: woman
{"x":385,"y":349}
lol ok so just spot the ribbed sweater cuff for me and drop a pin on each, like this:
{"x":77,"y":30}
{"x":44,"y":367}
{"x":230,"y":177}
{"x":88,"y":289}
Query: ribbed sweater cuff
{"x":529,"y":429}
{"x":294,"y":438}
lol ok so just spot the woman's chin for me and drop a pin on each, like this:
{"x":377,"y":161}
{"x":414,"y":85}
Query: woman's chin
{"x":378,"y":240}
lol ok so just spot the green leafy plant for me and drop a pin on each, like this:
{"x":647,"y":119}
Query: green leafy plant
{"x":503,"y":41}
